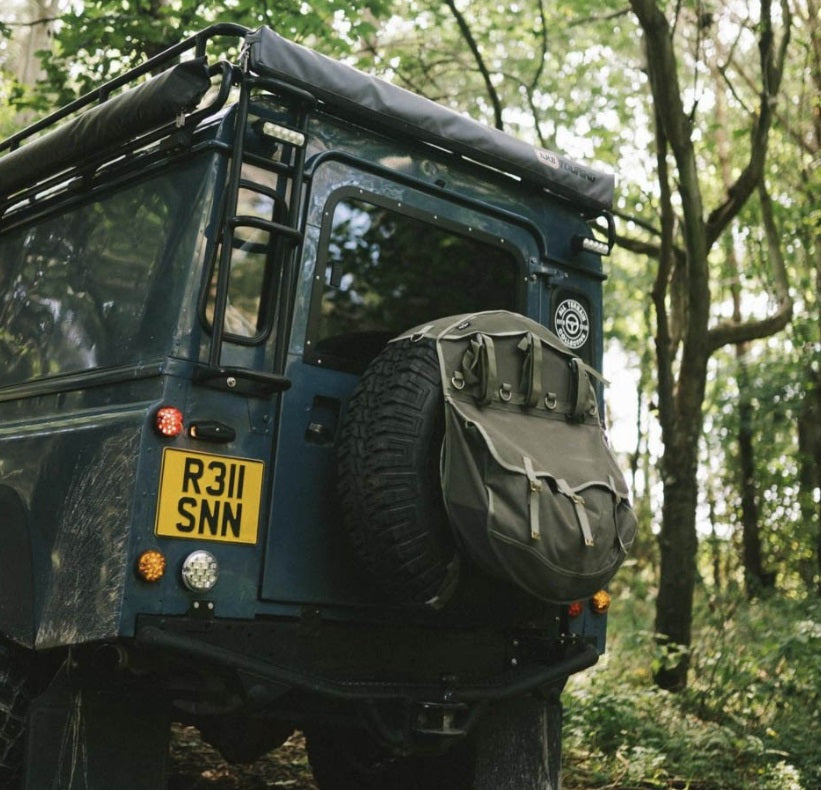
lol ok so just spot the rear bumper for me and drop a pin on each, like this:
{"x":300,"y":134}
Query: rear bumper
{"x":374,"y":662}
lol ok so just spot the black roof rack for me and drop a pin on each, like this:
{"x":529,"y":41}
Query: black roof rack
{"x":103,"y":119}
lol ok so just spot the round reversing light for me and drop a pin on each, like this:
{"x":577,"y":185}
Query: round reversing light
{"x":168,"y":421}
{"x":200,"y":571}
{"x":151,"y":566}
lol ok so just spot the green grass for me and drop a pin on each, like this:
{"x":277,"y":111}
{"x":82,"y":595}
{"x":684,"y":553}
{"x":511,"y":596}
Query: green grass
{"x":749,"y":719}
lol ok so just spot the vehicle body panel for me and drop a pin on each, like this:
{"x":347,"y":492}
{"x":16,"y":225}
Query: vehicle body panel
{"x":196,"y":268}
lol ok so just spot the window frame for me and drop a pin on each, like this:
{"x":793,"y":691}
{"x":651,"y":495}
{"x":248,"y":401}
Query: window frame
{"x":407,"y":206}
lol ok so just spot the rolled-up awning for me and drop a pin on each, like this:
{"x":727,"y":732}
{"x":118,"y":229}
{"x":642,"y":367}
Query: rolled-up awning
{"x":353,"y":94}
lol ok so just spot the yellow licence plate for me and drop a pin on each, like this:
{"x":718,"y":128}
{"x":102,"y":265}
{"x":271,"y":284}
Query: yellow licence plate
{"x":209,"y":497}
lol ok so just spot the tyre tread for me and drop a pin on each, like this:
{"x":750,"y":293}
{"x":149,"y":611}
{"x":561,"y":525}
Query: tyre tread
{"x":388,"y":472}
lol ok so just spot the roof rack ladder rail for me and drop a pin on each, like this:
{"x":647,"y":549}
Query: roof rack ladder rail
{"x":216,"y":104}
{"x":305,"y":103}
{"x":223,"y":270}
{"x":290,"y":229}
{"x":293,"y":234}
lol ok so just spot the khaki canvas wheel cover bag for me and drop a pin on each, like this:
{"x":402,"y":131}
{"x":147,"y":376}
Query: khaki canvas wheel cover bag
{"x":531,"y":488}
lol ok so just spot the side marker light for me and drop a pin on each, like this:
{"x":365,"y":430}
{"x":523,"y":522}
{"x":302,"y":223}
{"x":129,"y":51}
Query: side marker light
{"x":284,"y":133}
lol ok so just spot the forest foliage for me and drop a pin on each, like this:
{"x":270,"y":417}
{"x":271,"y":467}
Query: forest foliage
{"x":583,"y":80}
{"x":748,"y":720}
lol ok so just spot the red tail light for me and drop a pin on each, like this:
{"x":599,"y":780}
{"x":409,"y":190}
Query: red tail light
{"x":168,"y":421}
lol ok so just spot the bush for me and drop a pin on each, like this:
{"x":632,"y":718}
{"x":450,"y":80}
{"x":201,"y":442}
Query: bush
{"x":749,"y":718}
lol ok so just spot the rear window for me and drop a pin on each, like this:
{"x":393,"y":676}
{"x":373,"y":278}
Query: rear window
{"x":386,"y":271}
{"x":75,"y":288}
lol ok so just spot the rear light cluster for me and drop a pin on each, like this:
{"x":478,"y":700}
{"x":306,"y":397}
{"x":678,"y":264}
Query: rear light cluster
{"x":168,"y":421}
{"x":599,"y":604}
{"x":199,"y":571}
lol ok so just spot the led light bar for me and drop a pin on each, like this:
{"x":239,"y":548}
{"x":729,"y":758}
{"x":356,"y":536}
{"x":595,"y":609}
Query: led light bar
{"x":283,"y":133}
{"x":594,"y":245}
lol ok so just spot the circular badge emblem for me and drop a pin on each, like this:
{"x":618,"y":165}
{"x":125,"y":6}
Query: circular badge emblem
{"x":572,"y":323}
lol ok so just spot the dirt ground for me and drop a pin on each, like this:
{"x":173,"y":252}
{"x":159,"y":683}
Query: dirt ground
{"x":196,"y":766}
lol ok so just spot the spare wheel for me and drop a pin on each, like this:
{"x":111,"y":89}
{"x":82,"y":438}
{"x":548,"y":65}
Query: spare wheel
{"x":389,"y":484}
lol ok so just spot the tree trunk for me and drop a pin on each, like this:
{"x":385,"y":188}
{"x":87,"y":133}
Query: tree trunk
{"x":809,"y":440}
{"x":715,"y":545}
{"x":681,"y":296}
{"x":36,"y":38}
{"x":809,"y":421}
{"x":809,"y":449}
{"x":678,"y":544}
{"x":756,"y":579}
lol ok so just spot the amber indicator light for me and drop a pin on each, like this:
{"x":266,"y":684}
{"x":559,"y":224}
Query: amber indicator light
{"x":151,"y":566}
{"x":600,"y":602}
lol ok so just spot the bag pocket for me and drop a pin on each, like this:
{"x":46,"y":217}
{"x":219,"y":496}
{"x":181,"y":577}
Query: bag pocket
{"x":521,"y":522}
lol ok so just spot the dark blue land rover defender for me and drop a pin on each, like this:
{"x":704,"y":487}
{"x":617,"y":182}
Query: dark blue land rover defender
{"x":212,"y":508}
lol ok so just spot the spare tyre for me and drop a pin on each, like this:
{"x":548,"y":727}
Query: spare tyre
{"x":389,"y":485}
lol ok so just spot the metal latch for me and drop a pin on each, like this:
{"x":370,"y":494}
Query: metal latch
{"x":442,"y":718}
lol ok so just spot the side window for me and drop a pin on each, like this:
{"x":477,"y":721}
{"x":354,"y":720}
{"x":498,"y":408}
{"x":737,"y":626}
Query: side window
{"x":77,"y":284}
{"x":386,"y":271}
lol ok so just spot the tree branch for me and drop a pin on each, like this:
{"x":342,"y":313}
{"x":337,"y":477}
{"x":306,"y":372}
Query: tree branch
{"x":741,"y":332}
{"x":33,"y":23}
{"x":642,"y":223}
{"x":464,"y":28}
{"x":537,"y":76}
{"x":664,"y":343}
{"x":649,"y":249}
{"x":638,"y":246}
{"x":772,"y":69}
{"x":690,"y":308}
{"x":797,"y":136}
{"x":599,"y":17}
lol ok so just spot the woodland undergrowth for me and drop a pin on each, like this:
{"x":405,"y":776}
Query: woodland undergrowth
{"x":750,"y":718}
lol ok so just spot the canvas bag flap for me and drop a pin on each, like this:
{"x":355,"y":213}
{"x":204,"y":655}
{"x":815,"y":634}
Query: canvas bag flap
{"x":531,"y":488}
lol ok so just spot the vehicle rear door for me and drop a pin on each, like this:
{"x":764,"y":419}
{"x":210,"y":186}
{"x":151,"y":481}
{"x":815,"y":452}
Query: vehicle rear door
{"x":380,"y":255}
